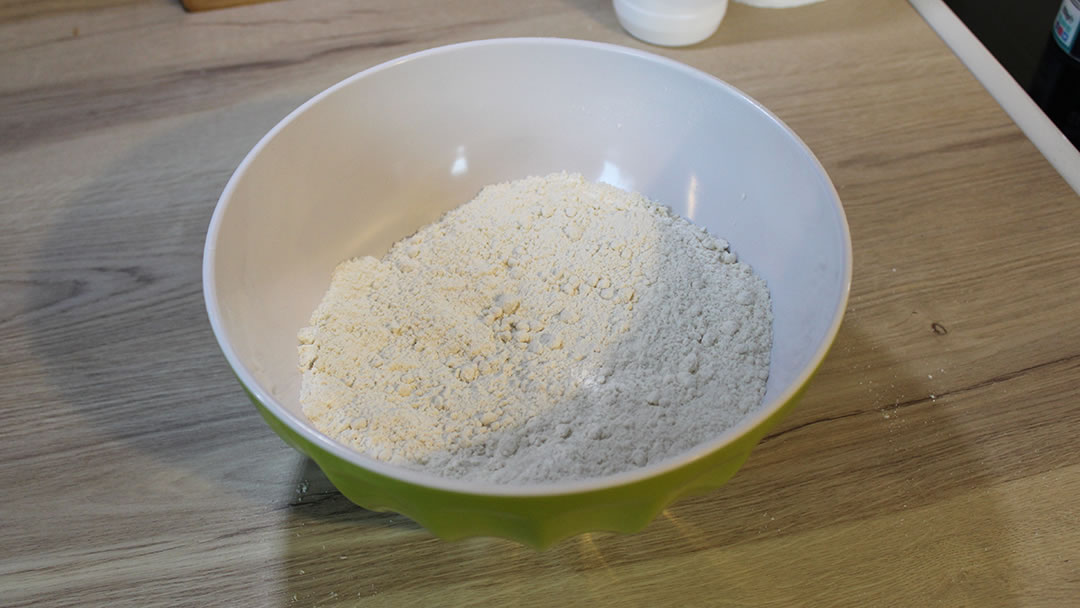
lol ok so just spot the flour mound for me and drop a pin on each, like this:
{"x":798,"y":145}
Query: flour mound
{"x":551,"y":329}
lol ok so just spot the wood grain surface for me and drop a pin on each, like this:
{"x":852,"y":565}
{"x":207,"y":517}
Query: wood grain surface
{"x":208,"y":5}
{"x":934,"y":461}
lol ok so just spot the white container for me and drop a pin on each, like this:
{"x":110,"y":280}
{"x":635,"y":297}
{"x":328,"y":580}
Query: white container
{"x":671,"y":22}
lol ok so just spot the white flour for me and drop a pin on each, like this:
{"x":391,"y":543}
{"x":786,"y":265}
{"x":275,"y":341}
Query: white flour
{"x":551,"y":329}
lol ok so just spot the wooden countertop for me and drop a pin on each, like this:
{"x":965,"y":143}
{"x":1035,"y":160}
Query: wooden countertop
{"x":935,"y":459}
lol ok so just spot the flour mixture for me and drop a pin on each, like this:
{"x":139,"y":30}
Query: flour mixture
{"x":551,"y":329}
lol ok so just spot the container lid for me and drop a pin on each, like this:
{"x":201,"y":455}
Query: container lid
{"x":670,"y":22}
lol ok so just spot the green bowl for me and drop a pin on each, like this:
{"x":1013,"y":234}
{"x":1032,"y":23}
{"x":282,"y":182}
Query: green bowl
{"x":373,"y":158}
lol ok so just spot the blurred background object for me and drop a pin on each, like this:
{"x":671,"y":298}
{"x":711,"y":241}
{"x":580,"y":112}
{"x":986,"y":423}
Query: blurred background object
{"x":1020,"y":34}
{"x":670,"y":22}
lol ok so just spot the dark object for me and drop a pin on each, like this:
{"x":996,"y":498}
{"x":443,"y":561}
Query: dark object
{"x":1056,"y":88}
{"x":1067,"y":26}
{"x":1021,"y":35}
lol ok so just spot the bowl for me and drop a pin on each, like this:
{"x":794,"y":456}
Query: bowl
{"x":378,"y":155}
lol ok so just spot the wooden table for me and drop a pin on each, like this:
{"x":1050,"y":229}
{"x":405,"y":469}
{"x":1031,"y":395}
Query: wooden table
{"x":935,"y":460}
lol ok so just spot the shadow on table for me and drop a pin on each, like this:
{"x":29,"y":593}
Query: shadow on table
{"x":116,"y":317}
{"x":833,"y":508}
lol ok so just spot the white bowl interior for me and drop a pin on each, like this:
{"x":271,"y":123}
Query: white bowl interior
{"x":389,"y":150}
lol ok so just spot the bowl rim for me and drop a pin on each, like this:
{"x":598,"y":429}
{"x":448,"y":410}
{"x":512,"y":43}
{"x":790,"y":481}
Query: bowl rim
{"x":545,"y":489}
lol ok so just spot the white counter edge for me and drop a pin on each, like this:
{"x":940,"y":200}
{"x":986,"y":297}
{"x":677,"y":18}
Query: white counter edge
{"x":1028,"y":116}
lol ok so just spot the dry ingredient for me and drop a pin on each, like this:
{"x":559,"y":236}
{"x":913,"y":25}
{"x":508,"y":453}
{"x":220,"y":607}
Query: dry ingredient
{"x":551,"y":329}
